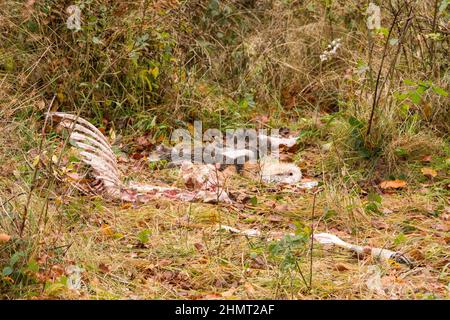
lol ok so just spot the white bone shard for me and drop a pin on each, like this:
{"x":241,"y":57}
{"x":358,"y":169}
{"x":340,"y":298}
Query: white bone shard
{"x":273,"y":171}
{"x":247,"y":232}
{"x":377,"y":253}
{"x":280,"y":141}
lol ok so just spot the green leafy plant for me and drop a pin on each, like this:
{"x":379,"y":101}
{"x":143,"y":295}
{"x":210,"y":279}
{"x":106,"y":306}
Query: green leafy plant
{"x":144,"y":236}
{"x":418,"y":90}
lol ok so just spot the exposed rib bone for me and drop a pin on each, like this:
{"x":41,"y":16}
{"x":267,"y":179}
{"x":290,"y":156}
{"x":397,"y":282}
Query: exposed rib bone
{"x":78,"y":128}
{"x":77,"y":119}
{"x":94,"y":143}
{"x":100,"y":166}
{"x":96,"y":152}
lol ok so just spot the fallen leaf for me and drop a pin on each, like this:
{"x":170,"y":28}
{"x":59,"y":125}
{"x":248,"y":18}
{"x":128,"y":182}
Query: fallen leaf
{"x":40,"y":104}
{"x":4,"y":237}
{"x":281,"y":208}
{"x":379,"y":224}
{"x":126,"y":205}
{"x":211,"y":296}
{"x":342,"y":266}
{"x":104,"y":268}
{"x":165,"y":262}
{"x":136,"y":156}
{"x":276,"y":218}
{"x":429,"y":172}
{"x":229,"y":171}
{"x":106,"y":230}
{"x":416,"y":255}
{"x":198,"y":246}
{"x":441,"y":227}
{"x":57,"y":270}
{"x":392,"y":184}
{"x":143,"y":141}
{"x":263,"y":119}
{"x":249,"y":288}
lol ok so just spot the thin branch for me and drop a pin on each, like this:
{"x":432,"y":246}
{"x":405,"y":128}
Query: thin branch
{"x":375,"y":96}
{"x":35,"y":172}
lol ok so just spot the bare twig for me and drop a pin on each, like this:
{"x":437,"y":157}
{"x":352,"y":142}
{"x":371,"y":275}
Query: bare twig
{"x":312,"y":241}
{"x":35,"y":172}
{"x":380,"y":70}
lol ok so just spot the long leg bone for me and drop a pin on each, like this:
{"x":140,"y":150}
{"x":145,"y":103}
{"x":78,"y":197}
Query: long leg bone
{"x":377,"y":253}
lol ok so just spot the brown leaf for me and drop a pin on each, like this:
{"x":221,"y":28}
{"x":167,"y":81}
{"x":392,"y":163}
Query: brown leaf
{"x":126,"y":205}
{"x":168,"y":275}
{"x":57,"y":270}
{"x":416,"y":255}
{"x":137,"y":156}
{"x":104,"y":268}
{"x":342,"y":266}
{"x":243,"y":198}
{"x":282,"y":208}
{"x":263,"y":119}
{"x":379,"y":224}
{"x":429,"y":172}
{"x":229,"y":171}
{"x":286,"y":157}
{"x":4,"y":237}
{"x":198,"y":246}
{"x":276,"y":218}
{"x":393,"y":184}
{"x":229,"y":293}
{"x":40,"y":104}
{"x":143,"y":141}
{"x":249,"y":288}
{"x":106,"y":230}
{"x":211,"y":296}
{"x":165,"y":262}
{"x":441,"y":227}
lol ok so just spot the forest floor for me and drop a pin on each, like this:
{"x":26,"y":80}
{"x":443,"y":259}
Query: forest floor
{"x":173,"y":250}
{"x":368,"y":100}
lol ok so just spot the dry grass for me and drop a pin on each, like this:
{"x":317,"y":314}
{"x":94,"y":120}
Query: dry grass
{"x":226,"y":65}
{"x":187,"y":256}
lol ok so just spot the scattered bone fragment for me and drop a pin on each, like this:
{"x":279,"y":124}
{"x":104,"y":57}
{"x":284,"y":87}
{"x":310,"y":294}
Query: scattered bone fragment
{"x":248,"y":232}
{"x":377,"y":253}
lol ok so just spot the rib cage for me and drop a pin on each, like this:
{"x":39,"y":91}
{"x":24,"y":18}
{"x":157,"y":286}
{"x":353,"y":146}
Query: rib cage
{"x":94,"y":149}
{"x":97,"y":153}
